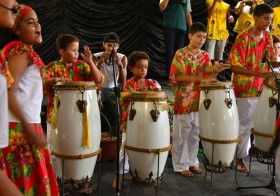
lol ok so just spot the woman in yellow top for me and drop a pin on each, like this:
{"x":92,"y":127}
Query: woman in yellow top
{"x":276,"y":22}
{"x":217,"y":33}
{"x":244,"y":9}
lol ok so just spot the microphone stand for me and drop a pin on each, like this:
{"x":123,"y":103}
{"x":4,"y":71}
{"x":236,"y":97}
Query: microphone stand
{"x":275,"y":143}
{"x":117,"y":92}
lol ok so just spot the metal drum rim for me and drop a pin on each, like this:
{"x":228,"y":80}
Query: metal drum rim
{"x":149,"y":96}
{"x":75,"y":85}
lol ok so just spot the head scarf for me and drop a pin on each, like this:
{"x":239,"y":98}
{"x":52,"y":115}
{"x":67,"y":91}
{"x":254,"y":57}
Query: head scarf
{"x":22,"y":10}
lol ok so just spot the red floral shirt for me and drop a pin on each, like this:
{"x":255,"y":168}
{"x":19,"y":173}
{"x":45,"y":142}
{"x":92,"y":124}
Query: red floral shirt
{"x":186,"y":95}
{"x":5,"y":71}
{"x":246,"y":52}
{"x":79,"y":71}
{"x":130,"y":86}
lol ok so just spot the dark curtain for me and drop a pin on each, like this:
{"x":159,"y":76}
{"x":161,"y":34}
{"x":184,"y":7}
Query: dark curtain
{"x":137,"y":22}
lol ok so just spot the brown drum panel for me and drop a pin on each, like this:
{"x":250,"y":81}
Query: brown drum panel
{"x":216,"y":85}
{"x":75,"y":85}
{"x":149,"y":96}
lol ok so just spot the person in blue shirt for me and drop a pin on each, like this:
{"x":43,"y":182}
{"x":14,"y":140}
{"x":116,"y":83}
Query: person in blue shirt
{"x":176,"y":18}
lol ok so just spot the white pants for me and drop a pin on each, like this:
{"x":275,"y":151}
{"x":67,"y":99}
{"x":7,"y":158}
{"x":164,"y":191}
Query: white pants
{"x":123,"y":158}
{"x":215,"y":48}
{"x":185,"y":141}
{"x":246,"y":109}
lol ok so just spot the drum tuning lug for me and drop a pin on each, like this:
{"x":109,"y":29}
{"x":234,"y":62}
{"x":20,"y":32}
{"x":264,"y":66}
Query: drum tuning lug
{"x":228,"y":102}
{"x":207,"y":103}
{"x":272,"y":101}
{"x":82,"y":105}
{"x":132,"y":114}
{"x":155,"y":114}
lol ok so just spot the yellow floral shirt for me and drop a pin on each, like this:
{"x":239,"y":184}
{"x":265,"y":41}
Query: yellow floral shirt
{"x":276,"y":21}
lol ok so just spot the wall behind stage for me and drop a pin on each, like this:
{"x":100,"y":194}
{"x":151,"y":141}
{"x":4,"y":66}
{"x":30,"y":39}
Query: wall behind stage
{"x":137,"y":22}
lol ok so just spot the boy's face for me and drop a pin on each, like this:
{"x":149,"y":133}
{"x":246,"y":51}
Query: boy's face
{"x":197,"y":39}
{"x":140,"y":69}
{"x":264,"y":21}
{"x":108,"y":46}
{"x":71,"y":53}
{"x":276,"y":47}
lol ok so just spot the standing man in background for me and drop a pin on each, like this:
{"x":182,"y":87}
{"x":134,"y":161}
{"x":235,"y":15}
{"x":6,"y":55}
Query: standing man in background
{"x":176,"y":18}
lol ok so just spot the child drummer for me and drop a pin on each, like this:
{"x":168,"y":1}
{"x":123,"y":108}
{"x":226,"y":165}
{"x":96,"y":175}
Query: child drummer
{"x":138,"y":63}
{"x":190,"y":67}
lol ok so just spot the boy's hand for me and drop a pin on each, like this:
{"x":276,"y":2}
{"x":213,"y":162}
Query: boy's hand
{"x":87,"y":55}
{"x":218,"y":67}
{"x":208,"y":79}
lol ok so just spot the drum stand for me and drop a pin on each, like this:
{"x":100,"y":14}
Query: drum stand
{"x":149,"y":181}
{"x":117,"y":91}
{"x":220,"y":168}
{"x":275,"y":143}
{"x":82,"y":187}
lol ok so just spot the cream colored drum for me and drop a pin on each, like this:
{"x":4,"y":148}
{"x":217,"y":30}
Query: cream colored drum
{"x":148,"y":135}
{"x":265,"y":115}
{"x":76,"y":139}
{"x":218,"y":122}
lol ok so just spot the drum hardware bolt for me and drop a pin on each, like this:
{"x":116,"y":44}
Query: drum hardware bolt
{"x":272,"y":101}
{"x":207,"y":103}
{"x":82,"y":104}
{"x":132,"y":111}
{"x":155,"y":113}
{"x":228,"y":102}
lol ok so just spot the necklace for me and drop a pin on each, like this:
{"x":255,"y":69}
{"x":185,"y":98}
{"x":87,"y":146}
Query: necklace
{"x":194,"y":54}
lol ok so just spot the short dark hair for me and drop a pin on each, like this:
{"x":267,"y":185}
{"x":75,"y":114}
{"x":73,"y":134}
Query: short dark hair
{"x":136,"y":56}
{"x":196,"y":27}
{"x":262,"y":9}
{"x":64,"y":40}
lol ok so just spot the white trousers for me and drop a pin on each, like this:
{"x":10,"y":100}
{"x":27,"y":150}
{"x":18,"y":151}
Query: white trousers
{"x":246,"y":109}
{"x":215,"y":48}
{"x":123,"y":158}
{"x":185,"y":141}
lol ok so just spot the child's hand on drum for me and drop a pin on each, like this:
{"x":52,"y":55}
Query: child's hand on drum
{"x":218,"y":67}
{"x":208,"y":79}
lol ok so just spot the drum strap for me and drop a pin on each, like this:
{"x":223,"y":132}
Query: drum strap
{"x":155,"y":150}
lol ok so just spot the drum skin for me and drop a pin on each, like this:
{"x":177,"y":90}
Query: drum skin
{"x":67,"y":138}
{"x":265,"y":117}
{"x":219,"y":123}
{"x":144,"y":133}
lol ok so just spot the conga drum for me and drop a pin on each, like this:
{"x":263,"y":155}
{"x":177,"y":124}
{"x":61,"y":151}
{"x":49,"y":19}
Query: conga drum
{"x":148,"y":135}
{"x":76,"y":139}
{"x":265,"y":115}
{"x":218,"y":122}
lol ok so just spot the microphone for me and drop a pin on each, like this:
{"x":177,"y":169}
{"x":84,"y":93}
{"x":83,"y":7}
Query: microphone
{"x":112,"y":54}
{"x":14,"y":10}
{"x":264,"y":59}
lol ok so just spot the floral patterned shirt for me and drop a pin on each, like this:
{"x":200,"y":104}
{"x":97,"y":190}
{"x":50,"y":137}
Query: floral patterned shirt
{"x":79,"y":71}
{"x":130,"y":86}
{"x":186,"y":95}
{"x":5,"y":71}
{"x":247,"y":53}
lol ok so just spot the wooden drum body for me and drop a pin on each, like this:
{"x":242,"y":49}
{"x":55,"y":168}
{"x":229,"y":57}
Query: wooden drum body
{"x":75,"y":123}
{"x":218,"y":122}
{"x":265,"y":115}
{"x":148,"y":135}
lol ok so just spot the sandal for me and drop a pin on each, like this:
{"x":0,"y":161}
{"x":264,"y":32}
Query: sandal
{"x":186,"y":173}
{"x":195,"y":170}
{"x":240,"y":166}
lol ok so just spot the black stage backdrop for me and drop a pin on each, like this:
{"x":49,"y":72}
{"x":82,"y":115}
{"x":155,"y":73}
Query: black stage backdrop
{"x":137,"y":22}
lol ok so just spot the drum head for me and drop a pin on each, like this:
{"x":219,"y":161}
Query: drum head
{"x":216,"y":85}
{"x":149,"y":96}
{"x":75,"y":85}
{"x":270,"y":82}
